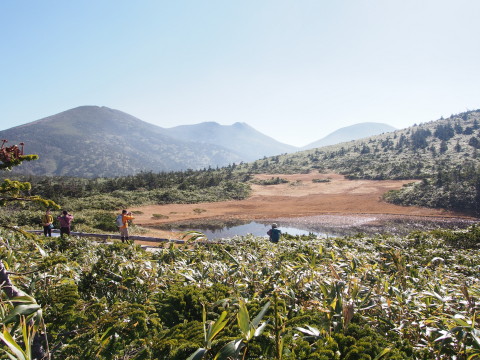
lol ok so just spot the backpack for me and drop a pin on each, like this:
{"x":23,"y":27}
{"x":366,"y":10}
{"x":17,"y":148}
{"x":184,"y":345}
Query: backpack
{"x":275,"y":235}
{"x":119,"y":220}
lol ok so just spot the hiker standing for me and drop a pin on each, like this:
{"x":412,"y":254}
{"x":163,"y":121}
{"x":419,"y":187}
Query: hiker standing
{"x":123,"y":224}
{"x":65,"y":220}
{"x":274,"y":233}
{"x":47,"y":222}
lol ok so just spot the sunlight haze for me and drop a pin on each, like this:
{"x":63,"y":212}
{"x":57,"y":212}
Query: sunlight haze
{"x":293,"y":70}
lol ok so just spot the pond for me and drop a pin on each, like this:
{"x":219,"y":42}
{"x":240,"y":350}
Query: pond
{"x":322,"y":225}
{"x":254,"y":228}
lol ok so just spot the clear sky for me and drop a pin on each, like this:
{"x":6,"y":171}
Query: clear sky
{"x":296,"y":70}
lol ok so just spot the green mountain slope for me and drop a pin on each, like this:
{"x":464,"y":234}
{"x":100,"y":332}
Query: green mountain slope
{"x":91,"y":141}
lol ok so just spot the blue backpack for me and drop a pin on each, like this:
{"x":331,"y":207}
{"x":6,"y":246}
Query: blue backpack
{"x":119,"y":220}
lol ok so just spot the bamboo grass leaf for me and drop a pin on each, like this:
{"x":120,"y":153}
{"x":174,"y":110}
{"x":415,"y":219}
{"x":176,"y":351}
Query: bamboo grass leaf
{"x":311,"y":331}
{"x":230,"y":351}
{"x":20,"y":310}
{"x":28,"y":332}
{"x":435,"y":295}
{"x":384,"y":352}
{"x":197,"y":355}
{"x":259,"y":330}
{"x":27,"y":299}
{"x":107,"y":333}
{"x":13,"y":346}
{"x":244,"y":320}
{"x":260,"y":315}
{"x":461,"y":322}
{"x":218,"y":326}
{"x":231,"y":257}
{"x":41,"y":251}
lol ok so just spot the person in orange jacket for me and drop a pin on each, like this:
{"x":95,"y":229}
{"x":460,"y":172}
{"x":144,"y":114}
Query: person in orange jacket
{"x":126,"y":216}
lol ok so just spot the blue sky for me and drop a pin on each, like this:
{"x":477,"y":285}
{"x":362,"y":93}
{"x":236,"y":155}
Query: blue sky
{"x":295,"y":70}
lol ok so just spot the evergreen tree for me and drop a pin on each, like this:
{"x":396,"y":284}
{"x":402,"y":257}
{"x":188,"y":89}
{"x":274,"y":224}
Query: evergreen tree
{"x":444,"y":132}
{"x":12,"y":192}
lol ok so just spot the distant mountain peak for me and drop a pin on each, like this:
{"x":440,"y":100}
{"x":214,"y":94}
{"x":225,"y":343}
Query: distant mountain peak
{"x":352,"y":132}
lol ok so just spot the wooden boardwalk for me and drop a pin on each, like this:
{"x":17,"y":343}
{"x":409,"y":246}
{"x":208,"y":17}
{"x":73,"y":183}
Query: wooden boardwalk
{"x":107,"y":237}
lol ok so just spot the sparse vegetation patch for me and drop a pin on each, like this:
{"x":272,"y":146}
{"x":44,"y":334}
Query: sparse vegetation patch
{"x":159,"y":216}
{"x":321,"y":180}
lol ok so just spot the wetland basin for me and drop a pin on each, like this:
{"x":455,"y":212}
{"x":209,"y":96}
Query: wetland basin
{"x":339,"y":207}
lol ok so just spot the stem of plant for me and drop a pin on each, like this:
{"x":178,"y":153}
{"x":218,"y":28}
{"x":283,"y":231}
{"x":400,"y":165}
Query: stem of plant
{"x":277,"y":327}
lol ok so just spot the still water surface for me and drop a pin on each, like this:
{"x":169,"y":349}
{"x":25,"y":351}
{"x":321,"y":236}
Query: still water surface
{"x":254,"y":228}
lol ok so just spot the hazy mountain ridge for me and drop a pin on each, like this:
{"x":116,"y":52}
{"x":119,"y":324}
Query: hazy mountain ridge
{"x":92,"y":141}
{"x":239,"y":137}
{"x":349,"y":133}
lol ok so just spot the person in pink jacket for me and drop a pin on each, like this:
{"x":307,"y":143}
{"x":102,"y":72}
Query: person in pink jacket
{"x":65,"y":220}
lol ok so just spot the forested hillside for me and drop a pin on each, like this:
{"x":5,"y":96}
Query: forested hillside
{"x":443,"y":153}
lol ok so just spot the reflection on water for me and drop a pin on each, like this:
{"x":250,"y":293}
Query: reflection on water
{"x":321,"y":225}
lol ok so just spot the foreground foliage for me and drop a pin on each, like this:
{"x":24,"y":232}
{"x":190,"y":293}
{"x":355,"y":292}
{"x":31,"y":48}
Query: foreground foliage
{"x":345,"y":298}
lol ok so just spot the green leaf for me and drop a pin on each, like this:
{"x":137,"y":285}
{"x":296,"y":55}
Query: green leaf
{"x":41,"y":251}
{"x":27,"y":299}
{"x":230,"y":351}
{"x":461,"y":322}
{"x":259,"y":330}
{"x":231,"y":257}
{"x":13,"y":346}
{"x":324,"y":290}
{"x":311,"y":331}
{"x":384,"y":352}
{"x":214,"y":329}
{"x":107,"y":333}
{"x":244,"y":320}
{"x":260,"y":315}
{"x":435,"y":295}
{"x":20,"y":310}
{"x":197,"y":355}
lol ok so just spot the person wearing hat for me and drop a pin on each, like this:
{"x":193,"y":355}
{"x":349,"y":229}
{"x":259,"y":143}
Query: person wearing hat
{"x":274,"y":233}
